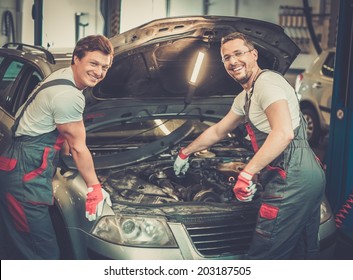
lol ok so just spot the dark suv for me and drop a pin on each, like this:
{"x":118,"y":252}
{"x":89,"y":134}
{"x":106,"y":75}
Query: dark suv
{"x":137,"y":119}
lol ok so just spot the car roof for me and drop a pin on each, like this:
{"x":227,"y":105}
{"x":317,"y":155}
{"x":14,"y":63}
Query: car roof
{"x":45,"y":60}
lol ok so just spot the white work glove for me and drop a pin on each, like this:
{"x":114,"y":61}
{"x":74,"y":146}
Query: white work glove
{"x":181,"y":164}
{"x":244,"y":188}
{"x":96,"y":196}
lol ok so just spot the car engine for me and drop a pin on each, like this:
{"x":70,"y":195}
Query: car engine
{"x":210,"y":178}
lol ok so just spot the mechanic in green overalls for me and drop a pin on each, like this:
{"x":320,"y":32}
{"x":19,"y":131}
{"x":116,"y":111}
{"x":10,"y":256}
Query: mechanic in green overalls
{"x":52,"y":115}
{"x":288,"y":170}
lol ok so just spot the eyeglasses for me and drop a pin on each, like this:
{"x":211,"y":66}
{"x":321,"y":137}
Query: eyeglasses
{"x":227,"y":58}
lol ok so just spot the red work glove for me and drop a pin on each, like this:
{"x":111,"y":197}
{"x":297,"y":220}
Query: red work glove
{"x":181,"y":164}
{"x":244,"y":188}
{"x":96,"y":196}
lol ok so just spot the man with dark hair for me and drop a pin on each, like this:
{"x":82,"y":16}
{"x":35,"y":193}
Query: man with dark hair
{"x":51,"y":116}
{"x":290,"y":173}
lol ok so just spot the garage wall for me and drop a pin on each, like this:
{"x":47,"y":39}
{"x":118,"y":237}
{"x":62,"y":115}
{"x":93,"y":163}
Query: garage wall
{"x":59,"y":21}
{"x":137,"y":12}
{"x":27,"y":22}
{"x":8,"y":6}
{"x":59,"y":17}
{"x":186,"y":8}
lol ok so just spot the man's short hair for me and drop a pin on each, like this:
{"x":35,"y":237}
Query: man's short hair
{"x":93,"y":43}
{"x":238,"y":35}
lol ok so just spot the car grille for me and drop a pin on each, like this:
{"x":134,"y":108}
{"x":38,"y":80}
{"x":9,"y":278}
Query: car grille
{"x":224,"y":236}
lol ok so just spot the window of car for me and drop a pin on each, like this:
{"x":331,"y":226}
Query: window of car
{"x":7,"y":82}
{"x":328,"y":66}
{"x":17,"y":80}
{"x":29,"y":83}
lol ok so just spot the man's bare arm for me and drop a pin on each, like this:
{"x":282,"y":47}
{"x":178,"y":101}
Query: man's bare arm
{"x":75,"y":136}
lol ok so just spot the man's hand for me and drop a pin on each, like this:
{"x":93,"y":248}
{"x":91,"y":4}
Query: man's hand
{"x":181,"y":163}
{"x":95,"y":200}
{"x":244,"y":188}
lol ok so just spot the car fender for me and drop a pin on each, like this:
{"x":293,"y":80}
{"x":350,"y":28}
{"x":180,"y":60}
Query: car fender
{"x":70,"y":197}
{"x":70,"y":193}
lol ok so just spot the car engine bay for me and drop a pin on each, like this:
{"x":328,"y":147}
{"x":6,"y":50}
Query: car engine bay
{"x":210,"y":178}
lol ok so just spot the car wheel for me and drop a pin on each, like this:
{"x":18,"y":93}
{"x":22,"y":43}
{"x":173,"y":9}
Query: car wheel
{"x":312,"y":127}
{"x":62,"y":235}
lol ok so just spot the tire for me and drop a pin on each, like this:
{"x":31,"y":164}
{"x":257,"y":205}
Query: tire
{"x":313,"y":130}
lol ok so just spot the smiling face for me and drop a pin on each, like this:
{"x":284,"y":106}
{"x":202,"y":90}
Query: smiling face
{"x":90,"y":69}
{"x":240,"y":61}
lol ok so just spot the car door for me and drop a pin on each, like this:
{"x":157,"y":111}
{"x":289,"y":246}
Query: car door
{"x":324,"y":85}
{"x":10,"y":69}
{"x":17,"y":80}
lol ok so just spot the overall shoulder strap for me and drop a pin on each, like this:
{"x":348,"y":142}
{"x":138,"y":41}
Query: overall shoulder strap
{"x":253,"y":83}
{"x":258,"y":75}
{"x":31,"y":98}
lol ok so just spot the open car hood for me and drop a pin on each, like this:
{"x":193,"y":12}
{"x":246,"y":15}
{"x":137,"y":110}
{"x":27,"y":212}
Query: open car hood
{"x":156,"y":59}
{"x":149,"y":80}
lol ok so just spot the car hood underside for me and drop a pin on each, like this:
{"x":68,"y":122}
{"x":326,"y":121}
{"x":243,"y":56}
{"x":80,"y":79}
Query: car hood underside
{"x":157,"y":59}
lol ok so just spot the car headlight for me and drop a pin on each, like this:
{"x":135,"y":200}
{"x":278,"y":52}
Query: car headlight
{"x":135,"y":231}
{"x":325,"y":211}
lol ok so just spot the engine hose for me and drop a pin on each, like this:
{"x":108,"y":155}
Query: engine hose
{"x":8,"y":27}
{"x":344,"y":211}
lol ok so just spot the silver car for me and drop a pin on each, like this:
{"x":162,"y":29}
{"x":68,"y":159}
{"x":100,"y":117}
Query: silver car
{"x":314,"y":88}
{"x":138,"y":118}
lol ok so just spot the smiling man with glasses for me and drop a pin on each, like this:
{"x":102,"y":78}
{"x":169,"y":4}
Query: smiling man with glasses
{"x":288,"y":170}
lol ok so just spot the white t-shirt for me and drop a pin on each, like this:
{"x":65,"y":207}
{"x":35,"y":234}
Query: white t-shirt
{"x":269,"y":88}
{"x":54,"y":105}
